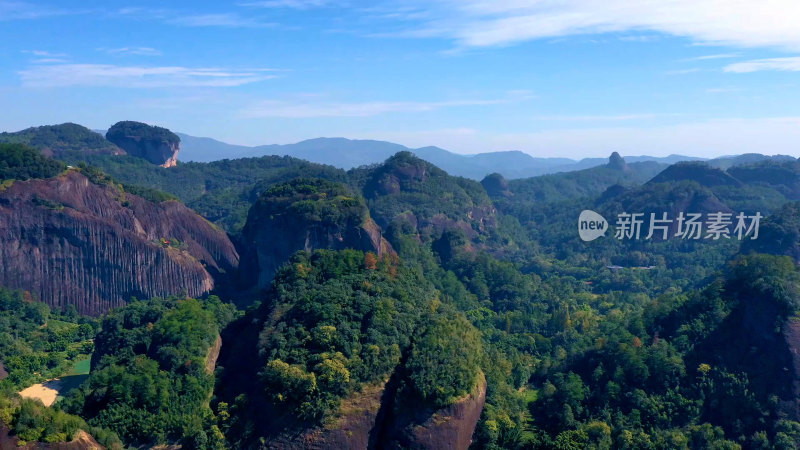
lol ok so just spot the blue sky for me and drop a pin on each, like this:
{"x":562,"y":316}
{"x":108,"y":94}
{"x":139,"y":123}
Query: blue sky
{"x":574,"y":78}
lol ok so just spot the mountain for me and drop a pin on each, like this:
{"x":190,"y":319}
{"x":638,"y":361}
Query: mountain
{"x":155,"y":144}
{"x":349,"y":153}
{"x":305,"y":214}
{"x":583,"y":183}
{"x":700,"y":172}
{"x":203,"y":149}
{"x":781,"y":175}
{"x":725,"y":162}
{"x":407,"y":193}
{"x":53,"y":140}
{"x":80,"y":239}
{"x":362,"y":342}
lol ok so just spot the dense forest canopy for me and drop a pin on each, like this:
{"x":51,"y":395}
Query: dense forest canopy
{"x":61,"y":138}
{"x":20,"y":162}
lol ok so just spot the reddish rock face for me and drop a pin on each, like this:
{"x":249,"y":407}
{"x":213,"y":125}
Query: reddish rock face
{"x":71,"y":242}
{"x":447,"y":428}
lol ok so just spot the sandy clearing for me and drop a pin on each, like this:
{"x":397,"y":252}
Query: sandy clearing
{"x":47,"y":392}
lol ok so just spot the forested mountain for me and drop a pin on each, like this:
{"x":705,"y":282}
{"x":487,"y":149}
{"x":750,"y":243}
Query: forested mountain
{"x":396,"y":305}
{"x":56,"y":139}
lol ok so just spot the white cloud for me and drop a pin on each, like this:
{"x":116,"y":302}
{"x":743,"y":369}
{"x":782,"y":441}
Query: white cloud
{"x":141,"y":51}
{"x":742,"y":23}
{"x":786,"y":64}
{"x":108,"y":75}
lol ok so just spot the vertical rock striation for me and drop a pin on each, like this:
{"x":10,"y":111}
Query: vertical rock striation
{"x":71,"y":242}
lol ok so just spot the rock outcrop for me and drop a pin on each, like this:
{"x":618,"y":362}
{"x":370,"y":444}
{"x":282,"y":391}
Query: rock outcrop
{"x":447,"y":428}
{"x":360,"y":424}
{"x":617,"y":162}
{"x":352,"y":429}
{"x":155,"y":144}
{"x":496,"y":186}
{"x":81,"y":441}
{"x":72,"y":242}
{"x":304,"y":214}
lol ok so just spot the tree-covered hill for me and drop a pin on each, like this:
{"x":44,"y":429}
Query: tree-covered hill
{"x":54,"y":140}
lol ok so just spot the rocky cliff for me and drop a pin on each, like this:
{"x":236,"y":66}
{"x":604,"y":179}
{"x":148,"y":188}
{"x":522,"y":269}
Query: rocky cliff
{"x":304,"y":214}
{"x":72,"y":242}
{"x":363,"y":424}
{"x":155,"y":144}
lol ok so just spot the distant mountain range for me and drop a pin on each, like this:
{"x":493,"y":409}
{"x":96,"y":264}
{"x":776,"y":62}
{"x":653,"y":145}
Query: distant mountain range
{"x":349,"y":153}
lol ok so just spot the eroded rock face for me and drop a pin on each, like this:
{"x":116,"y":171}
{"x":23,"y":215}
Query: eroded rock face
{"x":71,"y":242}
{"x":360,"y":425}
{"x":155,"y":144}
{"x":447,"y":428}
{"x":305,"y":214}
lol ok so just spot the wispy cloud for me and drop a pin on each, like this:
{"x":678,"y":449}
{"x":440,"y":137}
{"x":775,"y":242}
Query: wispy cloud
{"x":682,"y":71}
{"x":13,"y":10}
{"x":45,"y":53}
{"x":716,"y":56}
{"x":722,"y":90}
{"x":791,"y":64}
{"x":307,"y":108}
{"x":49,"y":61}
{"x":293,"y":4}
{"x":484,"y":23}
{"x":613,"y":118}
{"x":141,"y":51}
{"x":225,"y":20}
{"x":107,"y":75}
